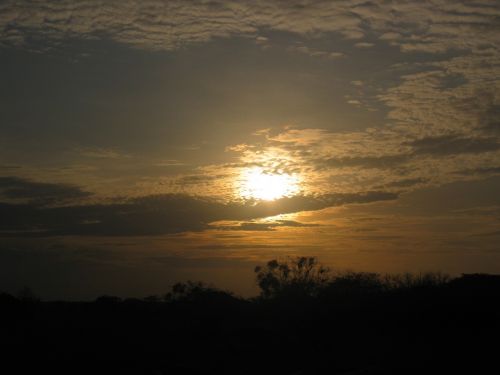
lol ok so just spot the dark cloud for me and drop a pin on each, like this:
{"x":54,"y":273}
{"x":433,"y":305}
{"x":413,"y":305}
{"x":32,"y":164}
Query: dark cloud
{"x":488,"y":234}
{"x":195,"y":179}
{"x":450,"y":145}
{"x":452,"y":81}
{"x":39,"y":193}
{"x":7,"y":166}
{"x":490,"y":120}
{"x":480,"y":171}
{"x":303,"y":203}
{"x":408,"y":182}
{"x":157,"y":214}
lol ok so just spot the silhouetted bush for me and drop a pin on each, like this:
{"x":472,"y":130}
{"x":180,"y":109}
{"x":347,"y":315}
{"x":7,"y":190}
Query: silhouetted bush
{"x":108,"y":300}
{"x":354,"y":283}
{"x":152,"y":299}
{"x":420,"y":280}
{"x":198,"y":291}
{"x":6,"y":298}
{"x":27,"y":295}
{"x":293,"y":276}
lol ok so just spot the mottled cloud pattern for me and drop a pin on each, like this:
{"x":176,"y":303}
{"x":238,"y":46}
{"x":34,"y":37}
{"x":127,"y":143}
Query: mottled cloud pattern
{"x":430,"y":26}
{"x":442,"y":108}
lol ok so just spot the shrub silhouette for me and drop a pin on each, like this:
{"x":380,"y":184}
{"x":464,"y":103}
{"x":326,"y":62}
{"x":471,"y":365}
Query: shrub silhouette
{"x":108,"y":300}
{"x":410,"y":281}
{"x":355,"y":283}
{"x":26,"y":294}
{"x":197,"y":291}
{"x":298,"y":276}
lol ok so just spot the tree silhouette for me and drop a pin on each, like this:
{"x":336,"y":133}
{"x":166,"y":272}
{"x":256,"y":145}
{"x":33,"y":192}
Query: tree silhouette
{"x":300,"y":275}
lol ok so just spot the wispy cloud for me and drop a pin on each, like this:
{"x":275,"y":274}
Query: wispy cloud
{"x":102,"y":153}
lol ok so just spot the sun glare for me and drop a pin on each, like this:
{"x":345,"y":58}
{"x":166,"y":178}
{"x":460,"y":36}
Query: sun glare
{"x":258,"y":184}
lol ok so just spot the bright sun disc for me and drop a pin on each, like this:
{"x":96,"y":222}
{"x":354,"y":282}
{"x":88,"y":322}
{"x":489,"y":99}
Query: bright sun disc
{"x":257,"y":184}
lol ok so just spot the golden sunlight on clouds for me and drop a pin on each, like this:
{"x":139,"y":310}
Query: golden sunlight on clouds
{"x":256,"y":183}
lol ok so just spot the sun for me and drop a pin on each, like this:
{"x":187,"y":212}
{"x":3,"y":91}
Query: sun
{"x":259,"y":184}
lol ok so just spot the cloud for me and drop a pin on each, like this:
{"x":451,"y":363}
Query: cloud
{"x":376,"y":158}
{"x":197,"y":179}
{"x":488,"y":234}
{"x":490,"y":119}
{"x":454,"y":93}
{"x":480,"y":171}
{"x":449,"y":145}
{"x":169,"y":163}
{"x":167,"y":25}
{"x":441,"y":104}
{"x":314,"y":52}
{"x":446,"y":97}
{"x":380,"y":162}
{"x":157,"y":214}
{"x":39,"y":193}
{"x":390,"y":35}
{"x":102,"y":153}
{"x":408,"y":182}
{"x":430,"y":26}
{"x":364,"y":45}
{"x":8,"y":166}
{"x":263,"y":226}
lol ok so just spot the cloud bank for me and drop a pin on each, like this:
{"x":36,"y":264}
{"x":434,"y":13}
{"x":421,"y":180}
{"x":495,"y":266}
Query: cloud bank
{"x":152,"y":215}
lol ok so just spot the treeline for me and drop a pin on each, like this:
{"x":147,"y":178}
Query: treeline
{"x":306,"y":320}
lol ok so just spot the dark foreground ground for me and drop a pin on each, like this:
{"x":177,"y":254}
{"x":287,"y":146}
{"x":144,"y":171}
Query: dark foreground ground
{"x":355,"y":328}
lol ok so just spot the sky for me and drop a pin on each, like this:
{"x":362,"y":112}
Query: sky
{"x":148,"y":142}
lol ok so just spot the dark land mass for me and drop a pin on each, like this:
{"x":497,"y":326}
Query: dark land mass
{"x":355,"y":323}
